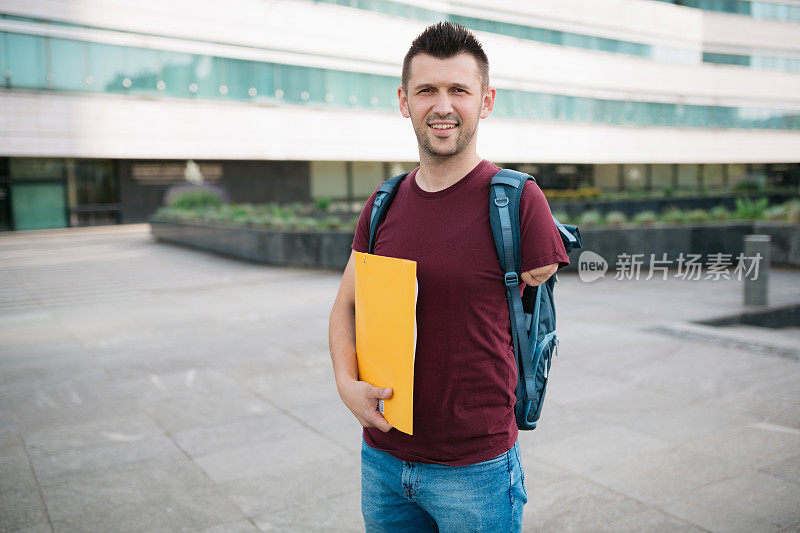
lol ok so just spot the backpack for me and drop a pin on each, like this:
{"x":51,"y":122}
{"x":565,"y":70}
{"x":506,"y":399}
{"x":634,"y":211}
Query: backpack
{"x":533,"y":314}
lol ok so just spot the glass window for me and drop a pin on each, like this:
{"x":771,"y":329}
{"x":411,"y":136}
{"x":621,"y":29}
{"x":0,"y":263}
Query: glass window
{"x":3,"y":59}
{"x":38,"y":205}
{"x":30,"y":168}
{"x":26,"y":61}
{"x":5,"y":212}
{"x":661,"y":176}
{"x":354,"y":87}
{"x":3,"y":46}
{"x":240,"y":77}
{"x":736,"y":173}
{"x":367,"y":175}
{"x":337,"y":87}
{"x":713,"y":176}
{"x":758,"y":172}
{"x":177,"y":73}
{"x":295,"y":82}
{"x":267,"y":79}
{"x":514,"y":104}
{"x":635,"y":176}
{"x":329,"y":179}
{"x":76,"y":65}
{"x":385,"y":90}
{"x":206,"y":77}
{"x":106,"y":68}
{"x":143,"y":69}
{"x":687,"y":176}
{"x":67,"y":64}
{"x":606,"y":177}
{"x":313,"y":89}
{"x":92,"y":182}
{"x":502,"y":102}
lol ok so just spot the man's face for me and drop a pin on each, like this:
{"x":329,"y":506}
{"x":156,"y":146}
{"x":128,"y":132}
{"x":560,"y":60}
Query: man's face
{"x":444,"y":101}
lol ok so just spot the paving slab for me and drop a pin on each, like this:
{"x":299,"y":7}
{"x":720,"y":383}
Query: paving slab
{"x":764,"y":503}
{"x":147,"y":387}
{"x":576,"y":504}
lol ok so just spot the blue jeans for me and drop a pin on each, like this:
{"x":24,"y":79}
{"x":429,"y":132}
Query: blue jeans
{"x":399,"y":496}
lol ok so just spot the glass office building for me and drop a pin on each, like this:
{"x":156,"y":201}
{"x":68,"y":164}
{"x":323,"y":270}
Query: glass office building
{"x":294,"y":100}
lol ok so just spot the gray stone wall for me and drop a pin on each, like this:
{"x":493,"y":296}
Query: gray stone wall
{"x":331,"y":249}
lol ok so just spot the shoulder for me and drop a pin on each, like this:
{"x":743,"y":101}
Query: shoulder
{"x":532,"y":193}
{"x":532,"y":190}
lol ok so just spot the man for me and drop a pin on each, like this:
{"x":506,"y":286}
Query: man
{"x":461,"y":470}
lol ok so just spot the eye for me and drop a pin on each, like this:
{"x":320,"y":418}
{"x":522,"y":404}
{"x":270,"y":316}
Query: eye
{"x":459,"y":90}
{"x":423,"y":90}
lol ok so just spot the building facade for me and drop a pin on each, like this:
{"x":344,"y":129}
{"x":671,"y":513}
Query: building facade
{"x":102,"y":104}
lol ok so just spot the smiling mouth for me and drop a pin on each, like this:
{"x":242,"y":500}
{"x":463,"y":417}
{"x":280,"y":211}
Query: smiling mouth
{"x":442,"y":129}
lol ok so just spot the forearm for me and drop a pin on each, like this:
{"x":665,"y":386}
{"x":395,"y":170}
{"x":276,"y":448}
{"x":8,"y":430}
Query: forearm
{"x":537,"y":276}
{"x":342,"y":342}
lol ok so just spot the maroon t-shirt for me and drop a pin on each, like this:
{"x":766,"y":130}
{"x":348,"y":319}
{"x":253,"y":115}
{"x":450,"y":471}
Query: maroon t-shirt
{"x":464,"y":370}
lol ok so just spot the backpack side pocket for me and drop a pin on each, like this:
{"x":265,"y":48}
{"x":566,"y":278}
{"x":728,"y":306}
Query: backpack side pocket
{"x":543,"y":355}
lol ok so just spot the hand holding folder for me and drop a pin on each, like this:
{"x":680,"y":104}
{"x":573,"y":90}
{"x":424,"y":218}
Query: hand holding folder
{"x":386,"y":331}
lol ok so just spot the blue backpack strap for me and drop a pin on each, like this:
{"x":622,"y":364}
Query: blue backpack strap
{"x":505,"y":193}
{"x":383,"y":200}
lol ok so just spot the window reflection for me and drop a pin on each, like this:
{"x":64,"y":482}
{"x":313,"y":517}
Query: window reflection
{"x":96,"y":67}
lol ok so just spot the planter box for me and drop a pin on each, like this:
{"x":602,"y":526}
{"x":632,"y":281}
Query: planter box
{"x":700,"y":238}
{"x":331,"y":249}
{"x":328,"y":249}
{"x":632,"y":206}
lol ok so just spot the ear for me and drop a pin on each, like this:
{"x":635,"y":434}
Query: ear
{"x":401,"y":96}
{"x":488,"y":102}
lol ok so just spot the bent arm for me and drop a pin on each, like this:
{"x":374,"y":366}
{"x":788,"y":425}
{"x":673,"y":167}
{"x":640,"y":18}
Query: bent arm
{"x":537,"y":276}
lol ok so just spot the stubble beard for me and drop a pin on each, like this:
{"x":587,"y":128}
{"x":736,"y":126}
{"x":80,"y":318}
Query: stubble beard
{"x":463,"y":139}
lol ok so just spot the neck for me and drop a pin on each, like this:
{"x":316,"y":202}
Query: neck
{"x":437,"y":173}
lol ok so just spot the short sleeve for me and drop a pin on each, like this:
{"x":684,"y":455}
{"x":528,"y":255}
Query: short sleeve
{"x":361,"y":238}
{"x":541,"y":240}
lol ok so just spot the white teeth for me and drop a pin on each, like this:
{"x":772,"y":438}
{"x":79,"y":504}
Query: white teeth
{"x":443,"y":126}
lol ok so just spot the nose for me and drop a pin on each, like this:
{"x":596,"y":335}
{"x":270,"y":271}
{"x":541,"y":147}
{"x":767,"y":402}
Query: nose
{"x":442,"y":106}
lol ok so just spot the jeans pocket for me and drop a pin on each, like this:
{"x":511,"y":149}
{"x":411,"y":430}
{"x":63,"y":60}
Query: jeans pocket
{"x":521,"y":469}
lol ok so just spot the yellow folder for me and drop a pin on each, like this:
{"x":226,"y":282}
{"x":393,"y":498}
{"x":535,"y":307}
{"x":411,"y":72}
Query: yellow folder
{"x":386,"y":331}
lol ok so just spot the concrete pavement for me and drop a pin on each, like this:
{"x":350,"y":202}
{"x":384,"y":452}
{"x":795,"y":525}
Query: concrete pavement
{"x":146,"y":387}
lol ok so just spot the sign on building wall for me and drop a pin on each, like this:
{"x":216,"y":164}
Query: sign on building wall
{"x":172,"y":173}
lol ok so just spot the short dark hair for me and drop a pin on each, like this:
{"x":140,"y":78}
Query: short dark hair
{"x":444,"y":40}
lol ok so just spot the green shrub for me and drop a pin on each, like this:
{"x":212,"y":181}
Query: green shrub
{"x":330,"y":222}
{"x":590,"y":218}
{"x":776,"y":212}
{"x":351,"y":224}
{"x":306,"y":223}
{"x":174,"y":213}
{"x":645,"y":218}
{"x":719,"y":212}
{"x":747,"y":209}
{"x":748,"y":185}
{"x":616,"y":218}
{"x":793,"y":211}
{"x":261,"y":221}
{"x":194,"y":199}
{"x":322,"y":204}
{"x":673,"y":215}
{"x":297,"y":208}
{"x":667,"y":192}
{"x":697,"y":215}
